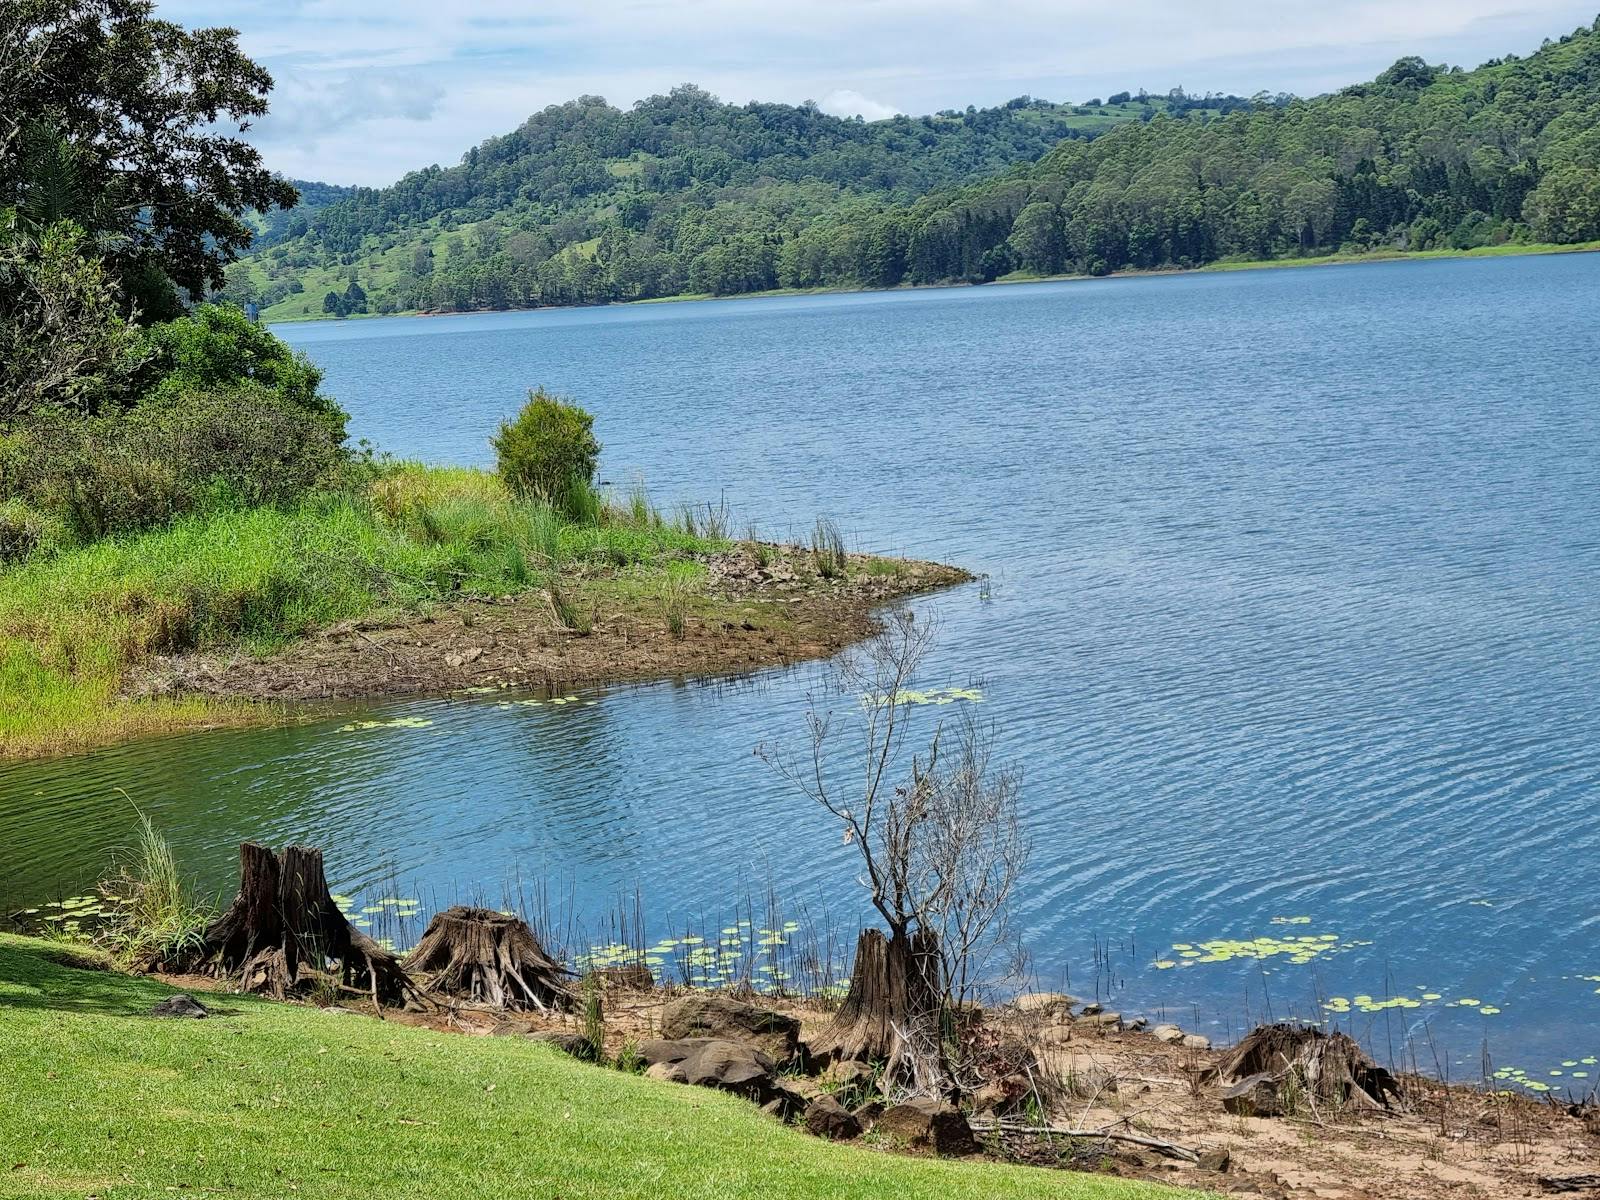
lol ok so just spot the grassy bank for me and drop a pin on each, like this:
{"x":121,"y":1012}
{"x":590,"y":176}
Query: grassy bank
{"x":267,"y":1099}
{"x":76,"y":626}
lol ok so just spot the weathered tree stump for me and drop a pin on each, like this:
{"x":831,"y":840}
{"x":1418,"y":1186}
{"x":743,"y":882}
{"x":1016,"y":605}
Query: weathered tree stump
{"x":489,"y":958}
{"x":283,"y":928}
{"x":891,"y":1013}
{"x":1328,"y":1067}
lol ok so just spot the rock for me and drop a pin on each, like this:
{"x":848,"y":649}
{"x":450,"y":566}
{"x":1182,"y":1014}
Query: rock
{"x":1001,"y":1096}
{"x":472,"y":655}
{"x":1218,"y":1160}
{"x":776,"y":1108}
{"x":929,"y":1124}
{"x":773,"y":1033}
{"x":1052,"y":1005}
{"x":1170,"y":1034}
{"x":1102,"y":1020}
{"x":1256,"y":1096}
{"x":869,"y":1112}
{"x":574,"y":1044}
{"x":1053,"y":1035}
{"x":1196,"y":1041}
{"x":453,"y":660}
{"x":827,"y":1118}
{"x":1138,"y":1024}
{"x":666,"y":1072}
{"x":849,"y":1076}
{"x":713,"y":1062}
{"x":181,"y":1005}
{"x":1093,"y":1010}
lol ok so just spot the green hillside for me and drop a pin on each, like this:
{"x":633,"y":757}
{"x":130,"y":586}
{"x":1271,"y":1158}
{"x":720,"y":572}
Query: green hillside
{"x":683,"y":195}
{"x":587,"y":203}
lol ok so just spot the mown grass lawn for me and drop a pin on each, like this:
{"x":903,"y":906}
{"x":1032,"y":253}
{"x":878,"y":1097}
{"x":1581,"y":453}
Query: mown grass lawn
{"x":273,"y":1100}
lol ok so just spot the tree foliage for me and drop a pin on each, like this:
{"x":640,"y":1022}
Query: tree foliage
{"x":586,"y":204}
{"x":64,"y":343}
{"x":142,"y":106}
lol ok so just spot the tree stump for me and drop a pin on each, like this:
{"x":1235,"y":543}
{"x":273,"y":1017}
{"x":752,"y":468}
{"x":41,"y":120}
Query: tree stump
{"x":1329,"y":1067}
{"x":891,"y":1013}
{"x":284,"y":927}
{"x":489,"y":958}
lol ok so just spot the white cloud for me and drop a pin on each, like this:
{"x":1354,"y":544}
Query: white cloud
{"x":847,"y":102}
{"x":372,"y":88}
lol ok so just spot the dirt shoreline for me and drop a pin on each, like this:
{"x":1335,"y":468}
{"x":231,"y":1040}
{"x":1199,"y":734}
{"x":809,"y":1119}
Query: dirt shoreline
{"x":752,"y":614}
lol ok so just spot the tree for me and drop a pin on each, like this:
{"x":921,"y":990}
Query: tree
{"x":333,"y":304}
{"x":143,"y":103}
{"x":64,"y":344}
{"x":940,"y":847}
{"x":1037,"y":239}
{"x":355,"y":299}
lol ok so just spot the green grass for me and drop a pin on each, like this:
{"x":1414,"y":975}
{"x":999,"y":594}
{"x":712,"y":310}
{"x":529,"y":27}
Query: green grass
{"x":75,"y":625}
{"x":266,"y":1099}
{"x":1321,"y":260}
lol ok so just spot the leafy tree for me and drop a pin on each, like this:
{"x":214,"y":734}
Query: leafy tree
{"x":216,"y":346}
{"x":143,"y":105}
{"x":1037,"y":238}
{"x":333,"y":303}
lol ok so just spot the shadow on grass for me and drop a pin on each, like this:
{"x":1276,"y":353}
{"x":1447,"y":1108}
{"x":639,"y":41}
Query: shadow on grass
{"x":67,"y":979}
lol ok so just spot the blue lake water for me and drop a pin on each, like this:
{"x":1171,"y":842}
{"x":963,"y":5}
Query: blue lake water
{"x":1293,"y":624}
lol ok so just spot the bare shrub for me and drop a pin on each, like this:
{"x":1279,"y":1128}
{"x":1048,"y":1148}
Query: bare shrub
{"x":941,"y":850}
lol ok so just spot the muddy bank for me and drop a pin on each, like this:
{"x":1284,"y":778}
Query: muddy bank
{"x":756,"y":609}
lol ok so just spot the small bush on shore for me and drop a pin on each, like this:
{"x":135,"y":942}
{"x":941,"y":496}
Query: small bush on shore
{"x":549,"y":453}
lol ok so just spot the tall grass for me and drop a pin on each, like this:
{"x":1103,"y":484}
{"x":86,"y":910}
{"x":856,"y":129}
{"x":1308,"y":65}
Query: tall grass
{"x":153,"y":914}
{"x":827,"y":549}
{"x":74,"y":625}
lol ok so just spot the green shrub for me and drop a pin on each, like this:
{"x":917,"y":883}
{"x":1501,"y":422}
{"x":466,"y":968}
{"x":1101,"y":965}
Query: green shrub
{"x":550,"y":453}
{"x":119,"y":474}
{"x":23,"y":531}
{"x":216,"y":347}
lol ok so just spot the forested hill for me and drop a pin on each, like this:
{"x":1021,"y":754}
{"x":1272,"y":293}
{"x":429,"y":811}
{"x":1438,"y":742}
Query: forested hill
{"x":1423,"y":157}
{"x":586,"y":202}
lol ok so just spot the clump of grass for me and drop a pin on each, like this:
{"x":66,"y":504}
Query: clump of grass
{"x":153,"y":916}
{"x":717,"y":520}
{"x":567,"y":611}
{"x":827,"y":549}
{"x":677,"y":589}
{"x":885,"y":568}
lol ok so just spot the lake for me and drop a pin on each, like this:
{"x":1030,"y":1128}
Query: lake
{"x":1292,"y":621}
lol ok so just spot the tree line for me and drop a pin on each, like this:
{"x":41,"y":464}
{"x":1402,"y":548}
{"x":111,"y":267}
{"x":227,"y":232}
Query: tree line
{"x":587,"y":204}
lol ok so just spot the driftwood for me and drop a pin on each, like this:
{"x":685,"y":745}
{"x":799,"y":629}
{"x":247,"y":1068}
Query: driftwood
{"x":489,"y":958}
{"x":1327,"y":1066}
{"x":283,"y":929}
{"x":1161,"y":1146}
{"x":1569,"y":1183}
{"x":891,"y":1012}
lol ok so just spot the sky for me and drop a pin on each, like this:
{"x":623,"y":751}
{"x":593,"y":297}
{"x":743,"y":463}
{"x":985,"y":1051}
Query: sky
{"x":370,"y":89}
